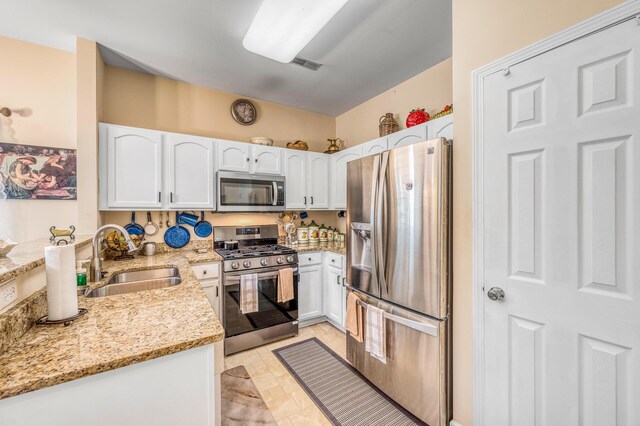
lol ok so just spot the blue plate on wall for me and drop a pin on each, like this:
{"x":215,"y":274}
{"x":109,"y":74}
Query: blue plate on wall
{"x":177,"y":236}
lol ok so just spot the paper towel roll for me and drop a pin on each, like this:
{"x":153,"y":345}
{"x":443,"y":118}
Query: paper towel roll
{"x":62,"y":296}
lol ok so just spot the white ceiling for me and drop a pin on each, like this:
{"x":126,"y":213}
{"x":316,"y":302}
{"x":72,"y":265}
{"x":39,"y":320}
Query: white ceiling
{"x":367,"y":48}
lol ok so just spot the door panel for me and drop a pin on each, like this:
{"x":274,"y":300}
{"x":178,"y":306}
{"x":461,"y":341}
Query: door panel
{"x":441,"y":127}
{"x":561,"y":235}
{"x":375,"y":146}
{"x":318,"y":181}
{"x":233,"y":156}
{"x":296,"y":183}
{"x":339,"y":162}
{"x":190,"y":172}
{"x":266,"y":160}
{"x":310,"y":292}
{"x":408,"y":136}
{"x":134,"y":168}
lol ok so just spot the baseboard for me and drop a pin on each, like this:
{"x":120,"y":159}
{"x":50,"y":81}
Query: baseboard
{"x":311,"y":321}
{"x":454,"y":423}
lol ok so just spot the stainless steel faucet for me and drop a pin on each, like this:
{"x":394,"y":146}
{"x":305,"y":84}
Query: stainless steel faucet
{"x":96,"y":264}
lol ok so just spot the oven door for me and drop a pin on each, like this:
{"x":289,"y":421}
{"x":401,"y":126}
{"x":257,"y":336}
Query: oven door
{"x":242,"y":192}
{"x":270,"y":312}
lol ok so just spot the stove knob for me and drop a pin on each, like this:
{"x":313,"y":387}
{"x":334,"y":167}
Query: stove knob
{"x":290,"y":259}
{"x":264,"y":262}
{"x":235,"y":265}
{"x":279,"y":260}
{"x":246,"y":263}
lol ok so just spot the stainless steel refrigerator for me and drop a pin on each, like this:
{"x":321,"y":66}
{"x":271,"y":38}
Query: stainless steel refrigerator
{"x":399,"y":260}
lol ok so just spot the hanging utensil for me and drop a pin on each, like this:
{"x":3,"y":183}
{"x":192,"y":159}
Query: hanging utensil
{"x":203,"y":228}
{"x":133,"y":228}
{"x":177,"y":236}
{"x":150,"y":228}
{"x":161,"y":223}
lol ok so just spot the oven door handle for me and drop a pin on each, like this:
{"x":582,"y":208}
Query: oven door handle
{"x":236,"y":276}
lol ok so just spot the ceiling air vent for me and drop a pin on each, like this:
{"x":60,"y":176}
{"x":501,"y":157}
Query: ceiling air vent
{"x":313,"y":66}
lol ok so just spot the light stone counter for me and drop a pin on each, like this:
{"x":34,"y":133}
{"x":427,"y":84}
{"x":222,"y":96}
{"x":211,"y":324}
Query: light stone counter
{"x":117,"y":331}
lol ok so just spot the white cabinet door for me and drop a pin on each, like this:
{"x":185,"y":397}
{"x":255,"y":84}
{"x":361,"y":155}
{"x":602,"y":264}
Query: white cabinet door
{"x":296,"y":179}
{"x":133,"y":168}
{"x":317,"y":180}
{"x":441,"y":127}
{"x":266,"y":160}
{"x":333,"y":295}
{"x":375,"y":146}
{"x":339,"y":162}
{"x":190,"y":172}
{"x":212,"y":289}
{"x":408,"y":136}
{"x":233,"y":156}
{"x":310,"y":292}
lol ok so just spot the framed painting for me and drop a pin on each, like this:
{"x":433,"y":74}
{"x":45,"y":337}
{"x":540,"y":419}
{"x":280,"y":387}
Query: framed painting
{"x":29,"y":172}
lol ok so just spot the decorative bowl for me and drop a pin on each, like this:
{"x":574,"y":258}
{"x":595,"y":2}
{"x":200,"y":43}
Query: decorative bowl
{"x":261,"y":140}
{"x":6,"y":246}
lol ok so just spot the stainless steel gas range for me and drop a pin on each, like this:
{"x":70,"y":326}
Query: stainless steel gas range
{"x":255,"y":250}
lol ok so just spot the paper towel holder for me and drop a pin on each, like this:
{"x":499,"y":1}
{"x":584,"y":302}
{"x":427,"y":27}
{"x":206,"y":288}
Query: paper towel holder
{"x":65,"y":321}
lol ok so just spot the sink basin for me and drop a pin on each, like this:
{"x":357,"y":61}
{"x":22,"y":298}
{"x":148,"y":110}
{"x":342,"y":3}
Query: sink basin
{"x":130,"y":282}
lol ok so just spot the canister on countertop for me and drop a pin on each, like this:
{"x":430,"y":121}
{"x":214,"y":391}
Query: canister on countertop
{"x":314,"y":232}
{"x":323,"y":233}
{"x":303,"y":233}
{"x":330,"y":234}
{"x":149,"y":249}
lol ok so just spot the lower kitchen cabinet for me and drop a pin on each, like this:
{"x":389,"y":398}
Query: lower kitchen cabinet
{"x":208,"y":275}
{"x":333,"y":297}
{"x":310,"y":292}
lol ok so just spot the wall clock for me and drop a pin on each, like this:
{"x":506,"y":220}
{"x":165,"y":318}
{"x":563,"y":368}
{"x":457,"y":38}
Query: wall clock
{"x":244,"y":112}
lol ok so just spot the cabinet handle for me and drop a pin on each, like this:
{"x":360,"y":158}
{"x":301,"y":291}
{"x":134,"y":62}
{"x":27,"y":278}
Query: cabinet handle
{"x":338,"y":277}
{"x":256,"y":160}
{"x":311,"y":200}
{"x":305,"y":201}
{"x":159,"y":196}
{"x":344,"y":279}
{"x":248,"y":159}
{"x":204,"y":272}
{"x":333,"y":260}
{"x":309,"y":259}
{"x":171,"y":197}
{"x":217,"y":295}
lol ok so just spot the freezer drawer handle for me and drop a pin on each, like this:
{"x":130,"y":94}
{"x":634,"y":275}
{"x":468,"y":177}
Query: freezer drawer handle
{"x":423,"y":328}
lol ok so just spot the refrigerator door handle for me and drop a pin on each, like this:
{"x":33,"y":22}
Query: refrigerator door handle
{"x":418,"y":326}
{"x":380,"y":226}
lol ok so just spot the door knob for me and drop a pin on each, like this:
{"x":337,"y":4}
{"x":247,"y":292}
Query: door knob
{"x":495,"y":293}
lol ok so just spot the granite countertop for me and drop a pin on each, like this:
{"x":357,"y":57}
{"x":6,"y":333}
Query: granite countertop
{"x":117,"y":331}
{"x":334,"y":248}
{"x":27,"y":256}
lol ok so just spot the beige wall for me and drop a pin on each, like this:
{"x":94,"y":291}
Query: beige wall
{"x":431,"y":90}
{"x":43,"y":80}
{"x":90,"y":85}
{"x":483,"y":31}
{"x":142,"y":100}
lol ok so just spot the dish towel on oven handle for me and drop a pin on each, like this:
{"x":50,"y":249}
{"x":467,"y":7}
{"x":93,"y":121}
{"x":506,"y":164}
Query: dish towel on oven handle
{"x":248,"y":293}
{"x":285,"y":285}
{"x":375,"y":334}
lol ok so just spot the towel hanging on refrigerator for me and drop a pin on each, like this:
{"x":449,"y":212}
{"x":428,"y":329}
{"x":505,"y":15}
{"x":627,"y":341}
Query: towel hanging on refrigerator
{"x":248,"y":293}
{"x":353,"y":323}
{"x":375,"y":334}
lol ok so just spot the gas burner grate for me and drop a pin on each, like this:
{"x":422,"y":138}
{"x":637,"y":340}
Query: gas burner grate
{"x":255,"y":251}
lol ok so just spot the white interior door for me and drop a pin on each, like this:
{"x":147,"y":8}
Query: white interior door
{"x":561,"y":208}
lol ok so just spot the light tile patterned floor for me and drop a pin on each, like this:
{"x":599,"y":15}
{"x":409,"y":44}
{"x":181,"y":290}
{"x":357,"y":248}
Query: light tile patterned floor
{"x":286,"y":400}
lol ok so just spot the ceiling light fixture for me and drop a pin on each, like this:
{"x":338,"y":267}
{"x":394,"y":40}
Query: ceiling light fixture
{"x":282,"y":28}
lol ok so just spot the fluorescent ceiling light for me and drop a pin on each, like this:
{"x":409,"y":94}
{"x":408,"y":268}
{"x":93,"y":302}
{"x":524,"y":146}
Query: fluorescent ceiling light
{"x":282,"y":28}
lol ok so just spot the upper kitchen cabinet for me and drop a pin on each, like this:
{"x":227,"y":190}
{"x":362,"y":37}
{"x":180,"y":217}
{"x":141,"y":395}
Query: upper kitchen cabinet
{"x":130,"y":168}
{"x":408,"y":136}
{"x":375,"y":146}
{"x":339,"y":162}
{"x":317,"y":180}
{"x":234,"y":156}
{"x":266,"y":160}
{"x":190,"y":172}
{"x":295,"y":165}
{"x":441,"y":127}
{"x":248,"y":158}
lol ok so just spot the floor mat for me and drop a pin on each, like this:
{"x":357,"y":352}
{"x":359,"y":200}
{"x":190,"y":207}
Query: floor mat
{"x":338,"y":389}
{"x":241,"y":401}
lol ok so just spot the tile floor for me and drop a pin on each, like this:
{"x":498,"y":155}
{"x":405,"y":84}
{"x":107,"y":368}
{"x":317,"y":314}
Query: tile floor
{"x":286,"y":400}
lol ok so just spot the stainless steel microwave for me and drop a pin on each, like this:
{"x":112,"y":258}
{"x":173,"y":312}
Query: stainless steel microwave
{"x":244,"y":192}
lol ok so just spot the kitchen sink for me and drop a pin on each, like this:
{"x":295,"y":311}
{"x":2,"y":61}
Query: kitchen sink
{"x":130,"y":282}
